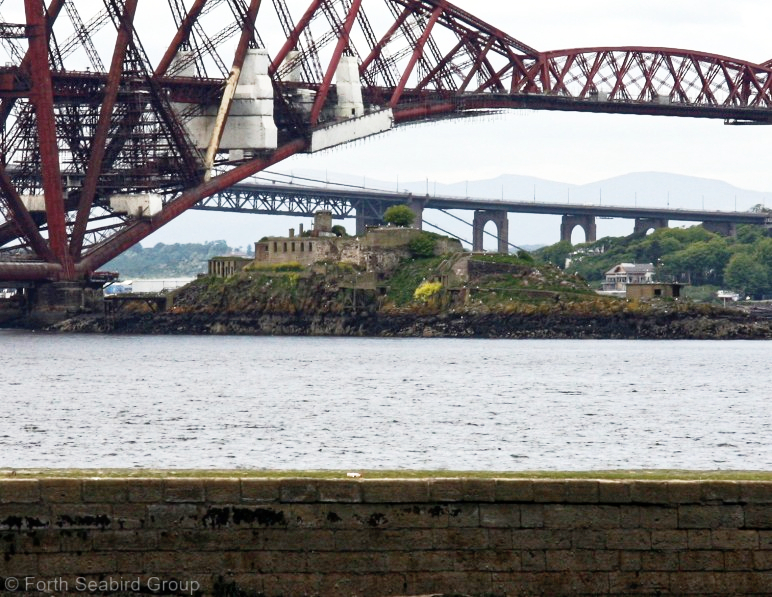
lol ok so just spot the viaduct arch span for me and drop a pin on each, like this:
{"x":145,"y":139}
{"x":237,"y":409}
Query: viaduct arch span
{"x":103,"y":146}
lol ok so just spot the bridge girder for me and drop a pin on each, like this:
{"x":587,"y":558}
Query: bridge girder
{"x":77,"y":134}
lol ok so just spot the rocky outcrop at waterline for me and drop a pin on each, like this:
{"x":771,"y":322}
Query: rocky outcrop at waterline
{"x":676,"y":324}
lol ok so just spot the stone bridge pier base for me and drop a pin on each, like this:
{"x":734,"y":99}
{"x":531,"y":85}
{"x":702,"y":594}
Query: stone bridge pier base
{"x":643,"y":225}
{"x":481,"y":218}
{"x":52,"y":302}
{"x":587,"y":224}
{"x":722,"y":228}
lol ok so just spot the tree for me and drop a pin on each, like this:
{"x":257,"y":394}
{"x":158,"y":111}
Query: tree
{"x":746,"y":275}
{"x":702,"y":261}
{"x":399,"y":215}
{"x":748,"y":234}
{"x":339,"y":230}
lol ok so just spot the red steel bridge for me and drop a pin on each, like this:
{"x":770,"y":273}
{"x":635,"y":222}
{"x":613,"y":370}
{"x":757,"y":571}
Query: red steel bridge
{"x":101,"y":146}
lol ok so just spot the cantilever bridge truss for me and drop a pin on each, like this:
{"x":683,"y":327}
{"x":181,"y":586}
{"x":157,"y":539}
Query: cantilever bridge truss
{"x":119,"y":119}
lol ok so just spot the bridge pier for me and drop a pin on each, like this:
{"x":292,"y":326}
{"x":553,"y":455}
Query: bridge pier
{"x":723,"y":228}
{"x":48,"y":303}
{"x":416,"y":204}
{"x":643,"y":225}
{"x":368,"y":213}
{"x":481,"y":218}
{"x":587,"y":224}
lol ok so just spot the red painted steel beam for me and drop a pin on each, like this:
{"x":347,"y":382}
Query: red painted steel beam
{"x":292,"y":40}
{"x":143,"y":228}
{"x":447,"y":59}
{"x":424,"y":111}
{"x":455,"y":14}
{"x":378,"y":49}
{"x":340,"y":47}
{"x":42,"y":99}
{"x":478,"y":62}
{"x":99,"y":143}
{"x":22,"y":272}
{"x":51,"y":15}
{"x":417,"y":53}
{"x":183,"y":33}
{"x":22,"y":218}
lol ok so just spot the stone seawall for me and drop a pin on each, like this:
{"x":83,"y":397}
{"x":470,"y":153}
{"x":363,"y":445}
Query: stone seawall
{"x":293,"y":537}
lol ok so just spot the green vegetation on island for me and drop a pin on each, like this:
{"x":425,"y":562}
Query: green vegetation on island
{"x":694,"y":256}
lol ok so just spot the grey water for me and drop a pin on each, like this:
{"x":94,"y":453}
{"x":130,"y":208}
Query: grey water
{"x":93,"y":401}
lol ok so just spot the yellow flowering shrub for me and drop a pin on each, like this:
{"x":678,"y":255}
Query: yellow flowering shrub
{"x":426,"y":291}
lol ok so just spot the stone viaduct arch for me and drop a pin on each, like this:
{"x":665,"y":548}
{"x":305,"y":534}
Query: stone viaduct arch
{"x":587,"y":223}
{"x":643,"y":225}
{"x":499,"y":218}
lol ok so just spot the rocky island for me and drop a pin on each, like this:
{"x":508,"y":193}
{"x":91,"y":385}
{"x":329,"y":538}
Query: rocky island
{"x":402,"y":282}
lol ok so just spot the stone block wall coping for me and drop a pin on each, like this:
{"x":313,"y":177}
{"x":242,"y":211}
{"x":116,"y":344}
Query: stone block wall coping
{"x":362,"y":490}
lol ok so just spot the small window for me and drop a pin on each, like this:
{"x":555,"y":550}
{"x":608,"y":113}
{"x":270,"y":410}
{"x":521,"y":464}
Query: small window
{"x":293,"y":247}
{"x":302,"y":247}
{"x":310,"y":247}
{"x":275,"y":247}
{"x":657,"y":292}
{"x":285,"y":247}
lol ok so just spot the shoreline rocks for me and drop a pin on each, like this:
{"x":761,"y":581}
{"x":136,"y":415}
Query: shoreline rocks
{"x":681,"y":324}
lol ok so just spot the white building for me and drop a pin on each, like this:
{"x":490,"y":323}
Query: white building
{"x":619,"y":276}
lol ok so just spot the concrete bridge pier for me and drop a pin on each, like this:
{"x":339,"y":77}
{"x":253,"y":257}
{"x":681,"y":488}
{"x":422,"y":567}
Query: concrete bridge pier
{"x":643,"y":225}
{"x":416,"y":204}
{"x":481,"y":218}
{"x":587,"y":223}
{"x":722,"y":228}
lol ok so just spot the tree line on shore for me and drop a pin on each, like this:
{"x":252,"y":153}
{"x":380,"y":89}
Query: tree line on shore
{"x":692,"y":255}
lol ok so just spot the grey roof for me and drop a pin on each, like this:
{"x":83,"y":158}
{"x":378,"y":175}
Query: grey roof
{"x":633,"y":268}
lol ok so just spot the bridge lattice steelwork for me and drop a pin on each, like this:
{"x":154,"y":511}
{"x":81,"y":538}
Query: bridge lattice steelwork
{"x":104,"y":144}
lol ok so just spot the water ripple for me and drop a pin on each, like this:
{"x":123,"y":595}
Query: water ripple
{"x":330,"y":403}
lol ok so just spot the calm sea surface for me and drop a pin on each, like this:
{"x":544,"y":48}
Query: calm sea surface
{"x":322,"y":403}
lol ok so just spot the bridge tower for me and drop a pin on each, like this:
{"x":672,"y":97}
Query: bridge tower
{"x":481,"y":218}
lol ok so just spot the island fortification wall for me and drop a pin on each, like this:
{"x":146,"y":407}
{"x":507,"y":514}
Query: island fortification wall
{"x":293,"y":537}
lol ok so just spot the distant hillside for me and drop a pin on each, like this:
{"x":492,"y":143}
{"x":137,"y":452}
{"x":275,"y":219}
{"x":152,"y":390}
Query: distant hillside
{"x":167,"y":261}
